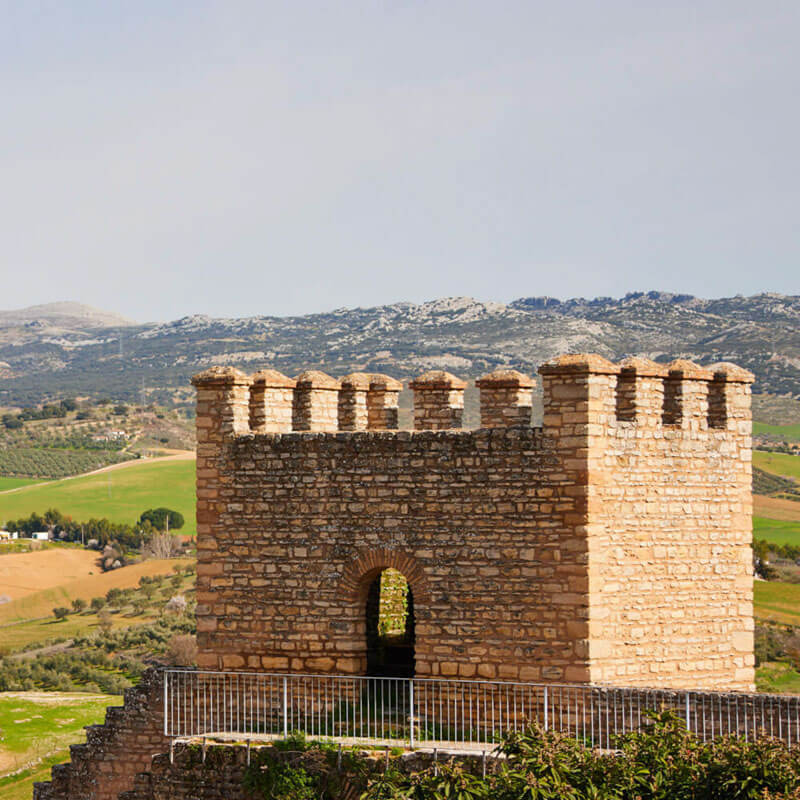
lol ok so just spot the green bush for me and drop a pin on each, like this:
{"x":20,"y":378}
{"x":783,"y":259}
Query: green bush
{"x":70,"y":671}
{"x":280,"y":780}
{"x":661,"y":762}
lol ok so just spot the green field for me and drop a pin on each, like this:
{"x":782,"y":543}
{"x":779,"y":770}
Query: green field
{"x":776,"y":531}
{"x":779,"y":463}
{"x":37,"y":728}
{"x":15,"y":483}
{"x":777,"y":601}
{"x":120,"y":494}
{"x":788,"y":433}
{"x":19,"y":786}
{"x":775,"y":677}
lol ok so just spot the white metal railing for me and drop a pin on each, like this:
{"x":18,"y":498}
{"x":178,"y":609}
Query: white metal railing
{"x":423,"y":712}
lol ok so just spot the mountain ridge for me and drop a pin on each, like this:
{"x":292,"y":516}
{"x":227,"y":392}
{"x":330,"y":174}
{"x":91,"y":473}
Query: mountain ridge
{"x":465,"y":335}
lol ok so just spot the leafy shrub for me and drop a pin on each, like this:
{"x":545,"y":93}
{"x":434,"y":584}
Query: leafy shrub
{"x":280,"y":780}
{"x":661,"y":762}
{"x":73,"y":670}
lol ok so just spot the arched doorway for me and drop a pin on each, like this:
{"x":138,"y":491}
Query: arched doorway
{"x":389,"y":617}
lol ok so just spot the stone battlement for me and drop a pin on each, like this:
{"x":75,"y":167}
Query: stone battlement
{"x":676,"y":395}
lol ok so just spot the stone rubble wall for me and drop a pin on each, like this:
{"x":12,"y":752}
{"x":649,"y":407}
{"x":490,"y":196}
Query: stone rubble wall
{"x":220,"y":773}
{"x":114,"y":752}
{"x":191,"y":776}
{"x":473,"y":520}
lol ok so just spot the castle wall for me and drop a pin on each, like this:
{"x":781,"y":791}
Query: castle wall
{"x":477,"y":522}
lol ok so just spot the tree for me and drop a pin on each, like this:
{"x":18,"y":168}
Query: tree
{"x":78,"y":605}
{"x":104,"y":621}
{"x":161,"y":545}
{"x":176,"y":605}
{"x":113,"y":596}
{"x":160,"y":517}
{"x":98,"y":603}
{"x":139,"y":605}
{"x":61,"y":613}
{"x":182,"y":651}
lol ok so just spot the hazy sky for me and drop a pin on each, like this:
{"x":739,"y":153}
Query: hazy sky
{"x":231,"y":158}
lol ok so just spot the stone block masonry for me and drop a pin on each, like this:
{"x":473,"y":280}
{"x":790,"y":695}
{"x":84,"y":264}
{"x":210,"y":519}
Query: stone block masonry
{"x":611,"y":546}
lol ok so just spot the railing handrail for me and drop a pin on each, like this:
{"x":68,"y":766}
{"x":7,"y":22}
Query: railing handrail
{"x":606,"y":687}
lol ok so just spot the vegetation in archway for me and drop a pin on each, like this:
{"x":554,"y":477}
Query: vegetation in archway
{"x":394,"y":608}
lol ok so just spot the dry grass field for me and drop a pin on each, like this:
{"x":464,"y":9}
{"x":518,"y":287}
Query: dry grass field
{"x":22,"y":574}
{"x":39,"y":604}
{"x":776,"y":508}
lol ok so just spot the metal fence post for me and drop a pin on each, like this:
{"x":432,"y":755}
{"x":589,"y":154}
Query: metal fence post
{"x":411,"y":714}
{"x":546,"y":710}
{"x":285,"y":707}
{"x":688,"y":713}
{"x":166,"y":678}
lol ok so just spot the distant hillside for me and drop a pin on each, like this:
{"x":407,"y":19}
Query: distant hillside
{"x":72,"y":316}
{"x":128,"y":361}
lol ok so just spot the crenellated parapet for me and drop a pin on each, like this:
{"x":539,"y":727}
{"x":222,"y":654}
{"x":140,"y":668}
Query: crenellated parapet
{"x":316,"y":402}
{"x":677,"y":396}
{"x":271,"y":401}
{"x":680,"y":395}
{"x":383,"y":400}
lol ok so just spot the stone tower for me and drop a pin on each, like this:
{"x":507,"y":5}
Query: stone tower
{"x":611,"y":545}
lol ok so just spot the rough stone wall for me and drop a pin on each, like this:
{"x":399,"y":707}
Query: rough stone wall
{"x":506,"y":399}
{"x":190,"y":776}
{"x":474,"y":520}
{"x":610,"y":546}
{"x":114,"y":752}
